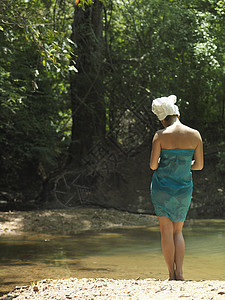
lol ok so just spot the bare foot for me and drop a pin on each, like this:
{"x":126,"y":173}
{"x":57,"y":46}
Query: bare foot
{"x":179,"y":277}
{"x":172,"y":276}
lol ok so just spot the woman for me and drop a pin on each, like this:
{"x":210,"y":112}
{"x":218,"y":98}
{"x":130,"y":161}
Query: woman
{"x":173,"y":149}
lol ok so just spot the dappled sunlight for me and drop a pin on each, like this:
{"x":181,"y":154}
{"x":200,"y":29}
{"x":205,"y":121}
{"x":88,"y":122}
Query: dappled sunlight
{"x":86,"y":224}
{"x":70,"y":221}
{"x":11,"y":223}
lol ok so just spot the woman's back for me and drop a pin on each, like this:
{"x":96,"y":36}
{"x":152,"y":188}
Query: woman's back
{"x":171,"y":186}
{"x":175,"y":135}
{"x":178,"y":136}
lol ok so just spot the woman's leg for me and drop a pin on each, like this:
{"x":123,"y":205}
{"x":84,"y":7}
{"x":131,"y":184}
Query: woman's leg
{"x":179,"y":249}
{"x":167,"y":242}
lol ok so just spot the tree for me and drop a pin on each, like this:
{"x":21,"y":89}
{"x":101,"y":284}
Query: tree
{"x":34,"y":62}
{"x":87,"y":97}
{"x":65,"y":81}
{"x":168,"y":48}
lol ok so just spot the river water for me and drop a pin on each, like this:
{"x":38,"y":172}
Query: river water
{"x":117,"y":253}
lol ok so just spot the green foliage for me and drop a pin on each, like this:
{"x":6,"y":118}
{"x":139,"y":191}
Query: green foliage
{"x":35,"y":120}
{"x":221,"y":156}
{"x":152,"y":47}
{"x":167,"y":47}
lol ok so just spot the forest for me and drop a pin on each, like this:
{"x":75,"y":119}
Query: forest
{"x":77,"y":79}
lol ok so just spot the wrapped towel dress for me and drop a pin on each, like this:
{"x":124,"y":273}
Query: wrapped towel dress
{"x":172,"y":186}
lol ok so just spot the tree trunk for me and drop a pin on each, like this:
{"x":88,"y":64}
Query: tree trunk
{"x":88,"y":108}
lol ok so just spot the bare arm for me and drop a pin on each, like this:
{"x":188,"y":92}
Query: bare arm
{"x":155,"y":154}
{"x":198,"y":162}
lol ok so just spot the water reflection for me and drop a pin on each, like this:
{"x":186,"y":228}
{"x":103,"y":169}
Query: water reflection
{"x":121,"y":254}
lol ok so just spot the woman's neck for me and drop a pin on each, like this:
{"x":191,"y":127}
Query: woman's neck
{"x":172,"y":121}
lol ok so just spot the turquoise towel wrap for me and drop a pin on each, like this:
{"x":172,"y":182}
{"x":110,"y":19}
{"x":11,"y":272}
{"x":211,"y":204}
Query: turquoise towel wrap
{"x":172,"y":186}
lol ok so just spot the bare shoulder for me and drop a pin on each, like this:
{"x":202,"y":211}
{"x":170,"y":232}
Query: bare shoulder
{"x":158,"y":135}
{"x":194,"y":137}
{"x":160,"y":132}
{"x":193,"y":131}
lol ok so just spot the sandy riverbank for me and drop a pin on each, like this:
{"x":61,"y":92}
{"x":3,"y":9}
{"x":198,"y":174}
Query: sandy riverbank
{"x":70,"y":221}
{"x":102,"y":289}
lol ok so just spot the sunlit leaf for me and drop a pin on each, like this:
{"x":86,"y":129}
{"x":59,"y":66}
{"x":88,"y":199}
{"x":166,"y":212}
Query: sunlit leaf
{"x":70,"y":41}
{"x":72,"y":68}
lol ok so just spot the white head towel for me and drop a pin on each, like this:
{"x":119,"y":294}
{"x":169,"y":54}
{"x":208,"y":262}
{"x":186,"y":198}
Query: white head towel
{"x":165,"y":106}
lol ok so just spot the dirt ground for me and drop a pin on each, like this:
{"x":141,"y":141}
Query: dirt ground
{"x":69,"y":221}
